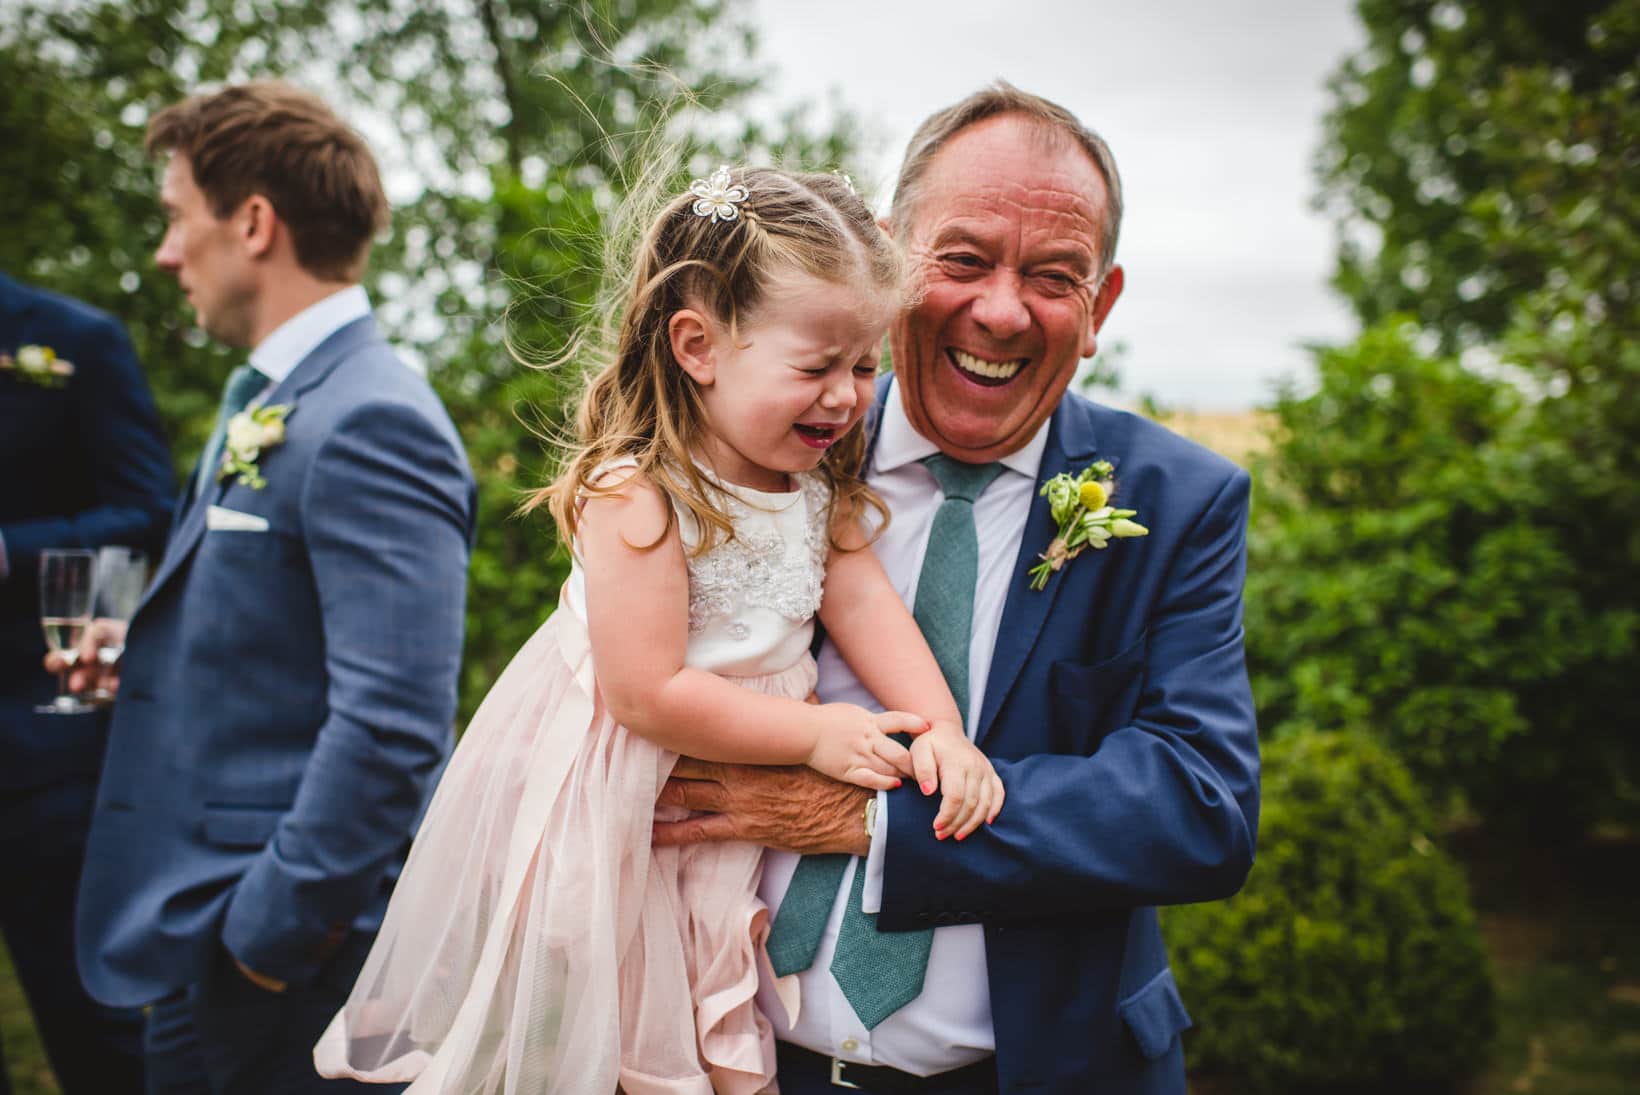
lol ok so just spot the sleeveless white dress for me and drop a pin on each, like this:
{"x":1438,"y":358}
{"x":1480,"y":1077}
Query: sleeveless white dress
{"x":536,"y":943}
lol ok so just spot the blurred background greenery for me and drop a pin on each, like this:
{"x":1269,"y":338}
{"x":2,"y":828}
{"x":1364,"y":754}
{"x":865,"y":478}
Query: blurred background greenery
{"x":1442,"y":601}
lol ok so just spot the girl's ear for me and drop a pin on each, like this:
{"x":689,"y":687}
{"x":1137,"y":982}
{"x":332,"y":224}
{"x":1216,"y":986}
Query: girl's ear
{"x":692,"y":339}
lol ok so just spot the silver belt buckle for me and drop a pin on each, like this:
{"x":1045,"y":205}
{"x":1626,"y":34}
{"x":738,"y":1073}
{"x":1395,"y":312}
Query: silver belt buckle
{"x":837,"y":1080}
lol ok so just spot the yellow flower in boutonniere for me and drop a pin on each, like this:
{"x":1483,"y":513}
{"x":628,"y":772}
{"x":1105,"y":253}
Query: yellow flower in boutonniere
{"x":249,"y":433}
{"x":1079,"y":507}
{"x":38,"y":365}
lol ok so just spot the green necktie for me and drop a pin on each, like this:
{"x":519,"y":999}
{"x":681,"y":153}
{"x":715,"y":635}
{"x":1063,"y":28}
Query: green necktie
{"x":244,"y":384}
{"x":881,"y":972}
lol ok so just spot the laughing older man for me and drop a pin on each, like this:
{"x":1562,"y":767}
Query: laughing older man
{"x":1114,"y":701}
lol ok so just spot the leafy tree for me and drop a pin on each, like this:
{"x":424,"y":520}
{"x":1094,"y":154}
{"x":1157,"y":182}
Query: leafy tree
{"x":507,"y":131}
{"x":1449,"y":540}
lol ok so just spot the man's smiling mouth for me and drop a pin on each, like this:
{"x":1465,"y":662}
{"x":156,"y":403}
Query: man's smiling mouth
{"x":982,"y":371}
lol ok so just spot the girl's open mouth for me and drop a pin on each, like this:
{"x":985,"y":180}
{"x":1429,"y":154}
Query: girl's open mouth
{"x":817,"y":437}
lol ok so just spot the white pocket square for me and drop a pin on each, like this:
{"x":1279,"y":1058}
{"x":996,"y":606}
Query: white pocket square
{"x":231,"y":520}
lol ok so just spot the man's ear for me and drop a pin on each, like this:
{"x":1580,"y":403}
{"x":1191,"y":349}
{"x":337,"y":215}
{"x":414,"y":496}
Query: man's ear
{"x":257,"y":225}
{"x":1105,"y":299}
{"x":693,"y":338}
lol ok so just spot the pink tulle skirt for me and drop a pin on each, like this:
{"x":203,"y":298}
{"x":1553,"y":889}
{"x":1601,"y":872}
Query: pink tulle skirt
{"x":536,"y":942}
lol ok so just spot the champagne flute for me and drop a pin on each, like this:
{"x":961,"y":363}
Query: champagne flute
{"x":67,"y":585}
{"x":122,"y":574}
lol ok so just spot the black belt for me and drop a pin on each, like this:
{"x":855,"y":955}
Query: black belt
{"x":794,"y":1059}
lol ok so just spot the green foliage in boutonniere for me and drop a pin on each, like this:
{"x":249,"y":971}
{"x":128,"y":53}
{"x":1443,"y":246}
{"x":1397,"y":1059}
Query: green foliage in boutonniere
{"x":1079,"y":504}
{"x":38,"y":365}
{"x":249,"y":433}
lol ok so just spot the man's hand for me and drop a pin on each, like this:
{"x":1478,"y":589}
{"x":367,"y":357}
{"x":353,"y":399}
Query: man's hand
{"x":794,"y":809}
{"x":88,"y":671}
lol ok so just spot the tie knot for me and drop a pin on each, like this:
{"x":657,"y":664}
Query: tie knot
{"x":959,"y":480}
{"x":244,"y":384}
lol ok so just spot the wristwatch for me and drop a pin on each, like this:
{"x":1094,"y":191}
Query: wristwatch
{"x":871,"y":817}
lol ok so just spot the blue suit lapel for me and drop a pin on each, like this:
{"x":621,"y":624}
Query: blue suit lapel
{"x":189,"y":525}
{"x":1070,"y":447}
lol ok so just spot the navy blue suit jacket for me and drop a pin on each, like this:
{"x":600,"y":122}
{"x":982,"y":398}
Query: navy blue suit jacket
{"x":288,"y":693}
{"x":1118,"y":714}
{"x":85,"y":465}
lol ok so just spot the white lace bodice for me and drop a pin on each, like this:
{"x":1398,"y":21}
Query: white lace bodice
{"x":752,"y":599}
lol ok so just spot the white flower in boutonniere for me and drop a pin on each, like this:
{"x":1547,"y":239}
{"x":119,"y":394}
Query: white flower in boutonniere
{"x":250,"y":432}
{"x":38,"y":365}
{"x":1080,"y":506}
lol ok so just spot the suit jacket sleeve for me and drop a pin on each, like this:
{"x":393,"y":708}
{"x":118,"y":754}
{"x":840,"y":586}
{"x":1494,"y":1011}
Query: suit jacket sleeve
{"x":387,"y":512}
{"x":1165,"y":810}
{"x":119,"y":435}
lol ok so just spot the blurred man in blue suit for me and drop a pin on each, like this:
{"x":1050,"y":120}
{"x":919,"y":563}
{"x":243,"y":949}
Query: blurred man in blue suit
{"x":86,"y":466}
{"x":1114,"y":701}
{"x":289,"y":682}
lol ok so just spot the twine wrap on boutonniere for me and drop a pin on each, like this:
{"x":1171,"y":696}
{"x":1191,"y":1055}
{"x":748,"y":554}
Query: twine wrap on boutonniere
{"x":38,"y":365}
{"x":250,"y":432}
{"x":1080,"y":506}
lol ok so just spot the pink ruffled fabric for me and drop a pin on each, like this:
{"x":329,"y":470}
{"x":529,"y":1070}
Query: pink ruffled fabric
{"x":536,"y":942}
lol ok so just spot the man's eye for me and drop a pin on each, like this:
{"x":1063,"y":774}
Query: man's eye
{"x":1054,"y":284}
{"x":961,"y":262}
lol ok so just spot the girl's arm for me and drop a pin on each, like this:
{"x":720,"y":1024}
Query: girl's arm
{"x":638,"y":622}
{"x":877,"y":636}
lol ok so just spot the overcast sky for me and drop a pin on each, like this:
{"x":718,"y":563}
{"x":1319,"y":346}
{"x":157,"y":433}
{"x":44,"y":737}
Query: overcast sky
{"x":1213,"y":109}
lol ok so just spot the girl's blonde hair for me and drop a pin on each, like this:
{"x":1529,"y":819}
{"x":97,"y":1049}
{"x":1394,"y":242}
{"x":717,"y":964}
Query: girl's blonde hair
{"x":642,"y":406}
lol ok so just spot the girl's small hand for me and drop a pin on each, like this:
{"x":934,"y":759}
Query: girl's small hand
{"x":853,"y":746}
{"x":944,"y":759}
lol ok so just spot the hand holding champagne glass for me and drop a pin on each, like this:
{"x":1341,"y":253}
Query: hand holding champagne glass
{"x":122,"y":574}
{"x":87,"y":672}
{"x":67,"y":587}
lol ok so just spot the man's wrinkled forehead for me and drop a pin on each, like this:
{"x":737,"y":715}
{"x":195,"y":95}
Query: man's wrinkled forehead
{"x":969,"y":194}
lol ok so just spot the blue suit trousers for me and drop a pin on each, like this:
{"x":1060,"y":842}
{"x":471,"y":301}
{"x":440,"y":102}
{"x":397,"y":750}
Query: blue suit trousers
{"x":225,"y":1036}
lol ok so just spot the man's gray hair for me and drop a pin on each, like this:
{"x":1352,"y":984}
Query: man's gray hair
{"x":999,"y":99}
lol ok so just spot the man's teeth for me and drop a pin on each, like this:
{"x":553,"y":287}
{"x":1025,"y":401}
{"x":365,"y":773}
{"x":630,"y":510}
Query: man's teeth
{"x":995,"y":370}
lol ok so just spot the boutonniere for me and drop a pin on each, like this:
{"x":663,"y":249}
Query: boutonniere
{"x":249,"y":433}
{"x":38,"y":365}
{"x":1080,"y":504}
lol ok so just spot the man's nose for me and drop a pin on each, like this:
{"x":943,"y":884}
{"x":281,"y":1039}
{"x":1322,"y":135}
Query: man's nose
{"x":166,"y":256}
{"x":1000,"y":304}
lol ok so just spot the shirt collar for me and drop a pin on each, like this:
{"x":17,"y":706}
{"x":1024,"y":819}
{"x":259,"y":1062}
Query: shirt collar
{"x":898,"y":442}
{"x":285,"y":347}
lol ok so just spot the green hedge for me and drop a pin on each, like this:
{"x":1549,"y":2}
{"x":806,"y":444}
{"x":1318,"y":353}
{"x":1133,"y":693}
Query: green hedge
{"x":1351,"y":960}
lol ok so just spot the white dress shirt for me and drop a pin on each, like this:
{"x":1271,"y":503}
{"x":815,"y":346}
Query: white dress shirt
{"x":287,"y":344}
{"x":949,"y":1024}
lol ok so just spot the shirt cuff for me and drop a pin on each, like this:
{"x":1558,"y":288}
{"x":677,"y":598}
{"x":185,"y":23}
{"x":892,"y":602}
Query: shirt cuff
{"x":871,"y":896}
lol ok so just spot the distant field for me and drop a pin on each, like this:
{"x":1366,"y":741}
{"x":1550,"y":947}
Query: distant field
{"x":1239,"y":435}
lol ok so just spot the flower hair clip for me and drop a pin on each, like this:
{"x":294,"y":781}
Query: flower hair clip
{"x":717,"y":197}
